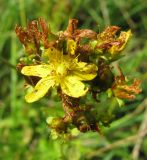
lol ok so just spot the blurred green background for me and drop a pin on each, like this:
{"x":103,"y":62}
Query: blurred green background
{"x":24,"y":134}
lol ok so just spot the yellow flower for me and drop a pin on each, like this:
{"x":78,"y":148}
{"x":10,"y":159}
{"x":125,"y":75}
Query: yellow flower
{"x":60,"y":70}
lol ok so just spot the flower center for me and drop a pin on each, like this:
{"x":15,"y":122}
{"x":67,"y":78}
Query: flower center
{"x":61,"y":70}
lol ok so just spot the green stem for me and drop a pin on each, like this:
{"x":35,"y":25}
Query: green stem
{"x":3,"y":60}
{"x":13,"y":74}
{"x":22,"y":12}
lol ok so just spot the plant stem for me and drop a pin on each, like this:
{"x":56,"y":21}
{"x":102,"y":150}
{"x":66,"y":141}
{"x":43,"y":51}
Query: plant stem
{"x":13,"y":74}
{"x":70,"y":105}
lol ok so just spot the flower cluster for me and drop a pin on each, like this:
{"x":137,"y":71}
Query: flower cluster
{"x":75,"y":62}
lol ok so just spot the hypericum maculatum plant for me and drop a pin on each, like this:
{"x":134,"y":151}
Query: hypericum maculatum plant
{"x":75,"y":62}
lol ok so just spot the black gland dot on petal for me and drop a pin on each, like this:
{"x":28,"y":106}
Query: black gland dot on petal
{"x":36,"y":90}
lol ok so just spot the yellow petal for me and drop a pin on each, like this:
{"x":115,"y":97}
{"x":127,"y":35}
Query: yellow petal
{"x":85,"y":71}
{"x":54,"y":54}
{"x":73,"y":87}
{"x":71,"y":47}
{"x":40,"y":89}
{"x":125,"y":36}
{"x":37,"y":70}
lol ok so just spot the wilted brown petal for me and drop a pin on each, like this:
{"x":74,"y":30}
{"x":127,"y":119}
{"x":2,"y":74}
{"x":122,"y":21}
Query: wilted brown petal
{"x":104,"y":46}
{"x":35,"y":34}
{"x":85,"y":33}
{"x":46,"y":32}
{"x":22,"y":34}
{"x":44,"y":27}
{"x":108,"y":41}
{"x":124,"y":95}
{"x":134,"y":88}
{"x":77,"y":34}
{"x":72,"y":26}
{"x":122,"y":90}
{"x":84,"y":49}
{"x":109,"y":33}
{"x":120,"y":42}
